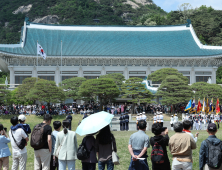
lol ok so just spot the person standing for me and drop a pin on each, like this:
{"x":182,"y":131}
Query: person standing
{"x":181,"y":146}
{"x":121,"y":122}
{"x":68,"y":152}
{"x":161,"y":118}
{"x":154,"y":118}
{"x":42,"y":153}
{"x":54,"y":164}
{"x":69,"y":118}
{"x":138,"y":144}
{"x":90,"y":163}
{"x":205,"y":154}
{"x":175,"y":118}
{"x":171,"y":122}
{"x":187,"y":127}
{"x":144,"y":116}
{"x":158,"y":117}
{"x":19,"y":156}
{"x":124,"y":123}
{"x":104,"y":142}
{"x":161,"y":139}
{"x":4,"y":149}
{"x":127,"y":121}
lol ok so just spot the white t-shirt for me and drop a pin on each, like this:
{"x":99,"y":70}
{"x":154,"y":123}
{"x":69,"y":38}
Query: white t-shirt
{"x":194,"y":138}
{"x":161,"y":118}
{"x":18,"y":135}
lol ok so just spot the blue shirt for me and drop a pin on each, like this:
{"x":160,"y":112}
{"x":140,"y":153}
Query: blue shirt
{"x":203,"y":155}
{"x":54,"y":134}
{"x":139,"y":140}
{"x":4,"y":149}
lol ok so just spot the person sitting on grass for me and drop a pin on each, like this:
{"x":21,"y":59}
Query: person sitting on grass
{"x":138,"y":144}
{"x":207,"y":155}
{"x":186,"y":128}
{"x":22,"y":125}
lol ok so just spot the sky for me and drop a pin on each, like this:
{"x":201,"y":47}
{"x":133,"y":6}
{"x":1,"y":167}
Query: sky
{"x":172,"y":5}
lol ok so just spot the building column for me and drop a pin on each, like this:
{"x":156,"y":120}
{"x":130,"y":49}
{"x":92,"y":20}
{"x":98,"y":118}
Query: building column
{"x":214,"y":75}
{"x":126,"y":73}
{"x":12,"y":76}
{"x":34,"y":72}
{"x":192,"y":76}
{"x":80,"y":73}
{"x":103,"y":72}
{"x":148,"y":71}
{"x":57,"y":75}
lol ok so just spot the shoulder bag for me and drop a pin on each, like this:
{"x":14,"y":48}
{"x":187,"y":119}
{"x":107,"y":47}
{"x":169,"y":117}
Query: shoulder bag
{"x":115,"y":157}
{"x":58,"y":149}
{"x":22,"y":143}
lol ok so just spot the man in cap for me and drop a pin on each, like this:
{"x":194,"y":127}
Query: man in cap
{"x":205,"y":152}
{"x":171,"y":122}
{"x":144,"y":116}
{"x":22,"y":125}
{"x":175,"y":118}
{"x":158,"y":117}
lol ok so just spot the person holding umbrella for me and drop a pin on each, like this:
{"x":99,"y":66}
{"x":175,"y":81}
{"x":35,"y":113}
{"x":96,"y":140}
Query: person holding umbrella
{"x":104,"y":142}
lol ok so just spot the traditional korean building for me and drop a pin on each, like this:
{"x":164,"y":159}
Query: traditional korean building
{"x":91,"y":51}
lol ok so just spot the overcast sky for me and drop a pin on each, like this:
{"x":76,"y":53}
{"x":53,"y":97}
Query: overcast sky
{"x":172,"y":5}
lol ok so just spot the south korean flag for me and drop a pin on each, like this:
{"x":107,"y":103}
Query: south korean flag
{"x":40,"y":51}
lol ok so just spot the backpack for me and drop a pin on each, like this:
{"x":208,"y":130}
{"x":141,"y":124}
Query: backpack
{"x":37,"y":137}
{"x":214,"y":155}
{"x":157,"y":154}
{"x":82,"y":152}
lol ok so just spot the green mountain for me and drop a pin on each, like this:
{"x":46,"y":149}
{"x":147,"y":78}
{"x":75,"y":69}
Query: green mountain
{"x":71,"y":12}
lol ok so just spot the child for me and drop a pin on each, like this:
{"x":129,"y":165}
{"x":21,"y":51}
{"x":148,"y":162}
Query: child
{"x":57,"y":126}
{"x":22,"y":125}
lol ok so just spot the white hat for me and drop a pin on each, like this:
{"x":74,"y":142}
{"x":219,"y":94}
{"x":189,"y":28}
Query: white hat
{"x":144,"y":113}
{"x":161,"y":112}
{"x":158,"y":113}
{"x":175,"y":114}
{"x":22,"y":118}
{"x":140,"y":113}
{"x":172,"y":115}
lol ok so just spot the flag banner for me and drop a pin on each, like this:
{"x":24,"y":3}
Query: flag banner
{"x":211,"y":110}
{"x":199,"y":107}
{"x":40,"y":51}
{"x":217,"y":107}
{"x":204,"y":106}
{"x":193,"y":107}
{"x":207,"y":107}
{"x":188,"y":107}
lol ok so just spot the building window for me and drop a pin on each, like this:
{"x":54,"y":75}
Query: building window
{"x":23,"y":72}
{"x":91,"y":77}
{"x":91,"y":72}
{"x":111,"y":72}
{"x":50,"y":78}
{"x":19,"y":79}
{"x":46,"y":72}
{"x":203,"y":72}
{"x":67,"y":77}
{"x":184,"y":72}
{"x":142,"y":77}
{"x":137,"y":72}
{"x":188,"y":79}
{"x":69,"y":72}
{"x":202,"y":78}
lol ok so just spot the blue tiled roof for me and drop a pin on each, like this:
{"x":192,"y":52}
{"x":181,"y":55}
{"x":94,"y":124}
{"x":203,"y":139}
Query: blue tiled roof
{"x":112,"y":43}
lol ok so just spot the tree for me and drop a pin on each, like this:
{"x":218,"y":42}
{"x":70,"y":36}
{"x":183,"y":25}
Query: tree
{"x":205,"y":90}
{"x":105,"y":88}
{"x":161,"y":74}
{"x":4,"y":94}
{"x":219,"y":75}
{"x":13,"y":99}
{"x":116,"y":77}
{"x":46,"y":91}
{"x":134,"y":89}
{"x":71,"y":87}
{"x":24,"y":89}
{"x":174,"y":90}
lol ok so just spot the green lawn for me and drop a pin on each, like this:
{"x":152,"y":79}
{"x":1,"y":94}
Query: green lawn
{"x":122,"y":139}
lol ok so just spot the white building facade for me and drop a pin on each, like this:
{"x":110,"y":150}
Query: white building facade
{"x":92,"y":51}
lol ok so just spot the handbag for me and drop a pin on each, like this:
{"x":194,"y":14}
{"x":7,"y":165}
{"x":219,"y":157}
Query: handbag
{"x":115,"y":157}
{"x":22,"y":143}
{"x":58,"y":149}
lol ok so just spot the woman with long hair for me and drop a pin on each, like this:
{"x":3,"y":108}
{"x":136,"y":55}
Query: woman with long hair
{"x":68,"y":142}
{"x":104,"y":142}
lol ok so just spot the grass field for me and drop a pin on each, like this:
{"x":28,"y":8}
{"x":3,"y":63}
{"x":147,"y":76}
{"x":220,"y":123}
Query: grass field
{"x":122,"y":139}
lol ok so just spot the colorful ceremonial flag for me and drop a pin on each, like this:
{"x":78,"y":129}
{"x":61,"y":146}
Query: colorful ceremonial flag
{"x":188,"y":107}
{"x":199,"y":107}
{"x":40,"y":51}
{"x":193,"y":107}
{"x":211,"y":106}
{"x":217,"y":107}
{"x":207,"y":106}
{"x":204,"y":106}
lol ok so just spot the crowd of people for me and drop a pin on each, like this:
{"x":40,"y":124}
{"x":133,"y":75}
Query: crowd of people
{"x":58,"y":149}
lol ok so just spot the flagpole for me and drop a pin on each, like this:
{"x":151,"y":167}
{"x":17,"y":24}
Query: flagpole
{"x":37,"y":63}
{"x":61,"y":61}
